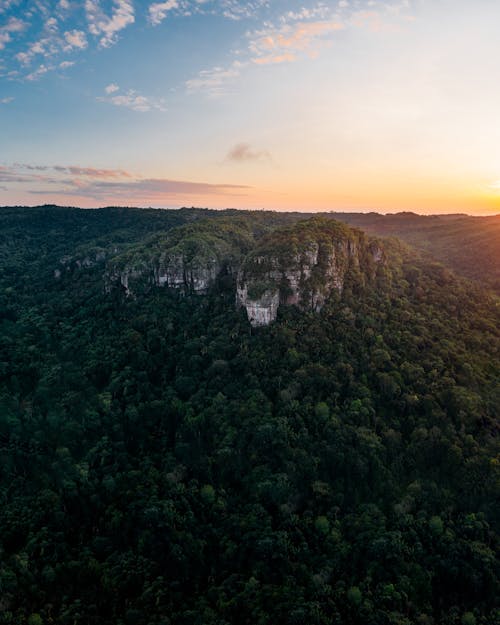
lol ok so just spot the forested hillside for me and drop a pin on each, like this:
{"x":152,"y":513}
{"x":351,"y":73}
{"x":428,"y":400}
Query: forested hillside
{"x":164,"y":463}
{"x":468,"y":245}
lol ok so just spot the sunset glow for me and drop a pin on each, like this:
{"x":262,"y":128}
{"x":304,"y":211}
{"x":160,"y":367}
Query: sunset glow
{"x":351,"y":105}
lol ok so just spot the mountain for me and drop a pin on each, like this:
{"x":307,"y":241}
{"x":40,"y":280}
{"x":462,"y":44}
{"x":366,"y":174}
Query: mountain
{"x":165,"y":461}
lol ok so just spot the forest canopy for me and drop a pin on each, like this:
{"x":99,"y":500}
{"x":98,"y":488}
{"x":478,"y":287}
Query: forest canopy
{"x":161,"y":462}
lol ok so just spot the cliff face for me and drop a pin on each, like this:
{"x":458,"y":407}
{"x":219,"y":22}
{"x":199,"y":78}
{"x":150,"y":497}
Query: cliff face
{"x":177,"y":271}
{"x":189,"y":258}
{"x":302,"y":266}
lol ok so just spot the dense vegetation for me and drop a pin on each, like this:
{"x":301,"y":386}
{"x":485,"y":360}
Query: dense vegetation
{"x":468,"y":245}
{"x":161,"y":463}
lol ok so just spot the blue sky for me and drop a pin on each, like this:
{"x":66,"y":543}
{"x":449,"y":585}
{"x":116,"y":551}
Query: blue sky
{"x":345,"y":105}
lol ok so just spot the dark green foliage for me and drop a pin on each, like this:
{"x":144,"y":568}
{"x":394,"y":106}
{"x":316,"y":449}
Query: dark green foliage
{"x":468,"y":245}
{"x":162,"y":464}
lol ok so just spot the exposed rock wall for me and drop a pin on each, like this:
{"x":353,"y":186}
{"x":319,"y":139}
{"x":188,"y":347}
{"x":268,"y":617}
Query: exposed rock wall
{"x":260,"y":311}
{"x":174,"y":272}
{"x":303,"y":271}
{"x":301,"y":265}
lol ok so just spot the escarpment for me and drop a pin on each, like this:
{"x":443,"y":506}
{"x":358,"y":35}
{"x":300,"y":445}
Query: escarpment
{"x":301,"y":265}
{"x":190,"y":258}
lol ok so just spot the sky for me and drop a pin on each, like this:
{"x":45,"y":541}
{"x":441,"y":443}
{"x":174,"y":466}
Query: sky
{"x":351,"y":105}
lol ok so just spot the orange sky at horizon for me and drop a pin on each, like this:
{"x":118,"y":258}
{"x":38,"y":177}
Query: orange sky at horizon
{"x":356,"y":106}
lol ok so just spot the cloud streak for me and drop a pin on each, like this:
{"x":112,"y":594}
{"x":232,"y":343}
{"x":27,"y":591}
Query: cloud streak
{"x":108,"y":185}
{"x":132,"y":100}
{"x":148,"y":189}
{"x":284,"y":43}
{"x":296,"y":35}
{"x":214,"y":81}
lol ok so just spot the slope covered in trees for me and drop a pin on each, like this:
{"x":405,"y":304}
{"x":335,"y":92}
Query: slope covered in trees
{"x":468,"y":245}
{"x":163,"y":463}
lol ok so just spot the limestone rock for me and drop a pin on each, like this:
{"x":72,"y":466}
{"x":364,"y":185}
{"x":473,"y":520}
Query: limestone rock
{"x":302,"y":266}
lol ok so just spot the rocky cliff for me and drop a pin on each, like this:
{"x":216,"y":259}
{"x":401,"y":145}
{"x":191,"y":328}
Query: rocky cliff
{"x":302,"y":266}
{"x":190,"y":258}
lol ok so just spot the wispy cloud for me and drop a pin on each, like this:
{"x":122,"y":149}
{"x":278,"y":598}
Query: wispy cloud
{"x":295,"y":34}
{"x":320,"y":11}
{"x":230,"y":9}
{"x":38,"y":73}
{"x":5,"y":5}
{"x":44,"y":19}
{"x":107,"y":27}
{"x":237,"y":10}
{"x":112,"y":88}
{"x":147,"y":189}
{"x":214,"y":81}
{"x":6,"y":100}
{"x":283,"y":43}
{"x":15,"y":174}
{"x":243,"y":152}
{"x":49,"y":46}
{"x":131,"y":99}
{"x":158,"y":11}
{"x":108,"y":185}
{"x":73,"y":170}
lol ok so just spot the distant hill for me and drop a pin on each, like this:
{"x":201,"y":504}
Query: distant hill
{"x":468,"y":245}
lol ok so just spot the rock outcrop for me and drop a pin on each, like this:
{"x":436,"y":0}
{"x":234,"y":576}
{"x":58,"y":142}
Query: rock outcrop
{"x":302,"y":266}
{"x":176,"y":270}
{"x":190,"y":258}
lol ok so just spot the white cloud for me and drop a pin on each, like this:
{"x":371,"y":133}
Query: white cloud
{"x":51,"y":43}
{"x":317,"y":12}
{"x":76,"y":39}
{"x":158,"y":11}
{"x":51,"y":25}
{"x":5,"y":5}
{"x":46,"y":46}
{"x":286,"y":42}
{"x":236,"y":10}
{"x":112,"y":88}
{"x":105,"y":26}
{"x":38,"y":73}
{"x":132,"y":100}
{"x":66,"y":64}
{"x":23,"y":57}
{"x":6,"y":100}
{"x":13,"y":25}
{"x":213,"y":81}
